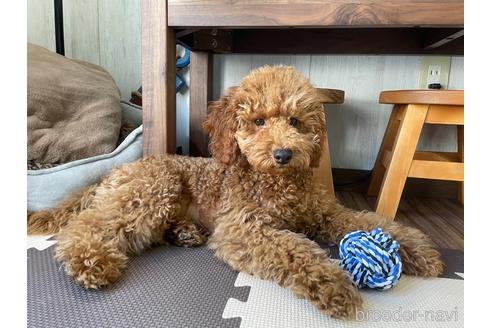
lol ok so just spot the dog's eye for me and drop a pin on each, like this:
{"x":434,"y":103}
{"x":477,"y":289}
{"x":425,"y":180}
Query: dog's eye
{"x":293,"y":121}
{"x":260,"y":122}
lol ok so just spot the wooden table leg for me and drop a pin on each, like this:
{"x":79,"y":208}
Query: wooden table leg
{"x":461,"y":157}
{"x":401,"y":160}
{"x":200,"y":93}
{"x":158,"y":79}
{"x":387,"y":144}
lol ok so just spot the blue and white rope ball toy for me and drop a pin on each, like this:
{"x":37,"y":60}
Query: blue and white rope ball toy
{"x":371,"y":258}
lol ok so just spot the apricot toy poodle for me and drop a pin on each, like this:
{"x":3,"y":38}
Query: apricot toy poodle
{"x":256,"y":197}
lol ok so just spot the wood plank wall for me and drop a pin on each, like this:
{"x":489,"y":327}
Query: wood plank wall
{"x":41,"y":23}
{"x":103,"y":32}
{"x":107,"y":33}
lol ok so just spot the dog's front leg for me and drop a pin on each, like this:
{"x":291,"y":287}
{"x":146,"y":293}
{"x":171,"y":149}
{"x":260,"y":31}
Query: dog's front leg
{"x":291,"y":260}
{"x":416,"y":249}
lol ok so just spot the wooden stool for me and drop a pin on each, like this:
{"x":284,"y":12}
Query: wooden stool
{"x":323,"y":173}
{"x":398,"y":158}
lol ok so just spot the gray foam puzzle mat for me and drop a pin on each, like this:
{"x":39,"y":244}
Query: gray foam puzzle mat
{"x":163,"y":287}
{"x":179,"y":287}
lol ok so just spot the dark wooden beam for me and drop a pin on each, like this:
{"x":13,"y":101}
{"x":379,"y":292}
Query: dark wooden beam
{"x":391,"y":41}
{"x":442,"y":40}
{"x":218,"y":41}
{"x":338,"y":41}
{"x":200,"y":93}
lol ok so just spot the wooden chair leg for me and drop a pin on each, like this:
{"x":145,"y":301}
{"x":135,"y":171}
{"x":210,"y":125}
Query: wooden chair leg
{"x":158,"y":79}
{"x":401,"y":159}
{"x":461,"y":156}
{"x":387,"y":144}
{"x":323,"y":173}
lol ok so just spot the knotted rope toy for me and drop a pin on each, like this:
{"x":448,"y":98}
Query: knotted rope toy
{"x":371,"y":258}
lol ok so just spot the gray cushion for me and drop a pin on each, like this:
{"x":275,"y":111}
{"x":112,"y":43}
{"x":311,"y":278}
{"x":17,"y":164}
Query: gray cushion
{"x":47,"y":187}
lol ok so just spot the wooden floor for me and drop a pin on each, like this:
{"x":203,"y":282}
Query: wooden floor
{"x":441,"y":219}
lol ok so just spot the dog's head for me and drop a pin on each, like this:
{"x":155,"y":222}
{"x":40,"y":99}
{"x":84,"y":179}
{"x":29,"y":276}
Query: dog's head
{"x":274,"y":120}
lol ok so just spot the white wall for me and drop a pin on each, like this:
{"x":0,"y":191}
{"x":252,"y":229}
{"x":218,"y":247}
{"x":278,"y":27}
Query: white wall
{"x":107,"y":33}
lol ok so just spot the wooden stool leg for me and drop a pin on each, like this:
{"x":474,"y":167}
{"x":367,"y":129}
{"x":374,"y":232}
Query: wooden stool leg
{"x":461,"y":157}
{"x":387,"y":144}
{"x":401,"y":160}
{"x":323,"y":173}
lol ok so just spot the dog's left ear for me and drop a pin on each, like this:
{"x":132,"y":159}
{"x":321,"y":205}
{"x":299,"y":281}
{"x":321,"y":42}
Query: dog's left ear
{"x":320,"y":132}
{"x":221,"y":125}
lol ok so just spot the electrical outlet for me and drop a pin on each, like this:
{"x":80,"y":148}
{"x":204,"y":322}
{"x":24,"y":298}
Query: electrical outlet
{"x":434,"y":74}
{"x":434,"y":69}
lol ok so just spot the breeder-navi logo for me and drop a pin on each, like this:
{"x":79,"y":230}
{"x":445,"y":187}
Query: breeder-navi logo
{"x":406,"y":315}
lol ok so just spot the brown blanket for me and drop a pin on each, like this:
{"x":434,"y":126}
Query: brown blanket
{"x":73,"y":108}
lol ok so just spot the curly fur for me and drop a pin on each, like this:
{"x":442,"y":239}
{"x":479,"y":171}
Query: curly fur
{"x":262,"y":216}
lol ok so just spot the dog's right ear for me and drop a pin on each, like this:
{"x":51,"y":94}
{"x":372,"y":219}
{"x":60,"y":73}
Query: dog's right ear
{"x":221,"y":125}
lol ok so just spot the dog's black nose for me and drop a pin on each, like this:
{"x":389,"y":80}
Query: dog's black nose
{"x":282,"y":156}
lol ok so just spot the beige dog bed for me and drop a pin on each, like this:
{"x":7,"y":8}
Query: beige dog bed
{"x":47,"y":187}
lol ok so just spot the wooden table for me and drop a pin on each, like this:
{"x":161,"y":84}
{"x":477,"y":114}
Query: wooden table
{"x":274,"y":26}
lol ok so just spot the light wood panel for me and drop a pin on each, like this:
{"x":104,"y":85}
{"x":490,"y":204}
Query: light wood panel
{"x":356,"y":128}
{"x":315,"y":13}
{"x":456,"y":73}
{"x":41,"y":23}
{"x":119,"y":40}
{"x":106,"y":33}
{"x":81,"y":29}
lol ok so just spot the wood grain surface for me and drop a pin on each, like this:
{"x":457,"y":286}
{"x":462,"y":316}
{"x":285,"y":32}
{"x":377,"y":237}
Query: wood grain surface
{"x":437,"y":97}
{"x":158,"y":79}
{"x":200,"y":94}
{"x":315,"y":13}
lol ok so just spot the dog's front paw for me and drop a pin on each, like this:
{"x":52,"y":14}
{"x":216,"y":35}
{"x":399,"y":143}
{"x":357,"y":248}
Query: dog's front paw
{"x":187,"y":234}
{"x":418,"y":255}
{"x":334,"y":293}
{"x":422,"y":261}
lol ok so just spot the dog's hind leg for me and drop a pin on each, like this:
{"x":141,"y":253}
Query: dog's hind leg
{"x":50,"y":221}
{"x":95,"y":245}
